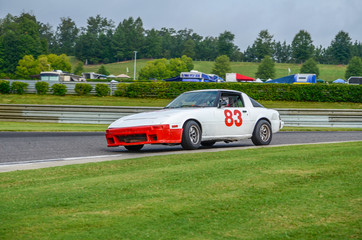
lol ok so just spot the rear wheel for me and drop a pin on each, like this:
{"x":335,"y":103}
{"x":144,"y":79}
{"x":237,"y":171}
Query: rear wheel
{"x":191,"y":135}
{"x":262,"y":134}
{"x":134,"y":147}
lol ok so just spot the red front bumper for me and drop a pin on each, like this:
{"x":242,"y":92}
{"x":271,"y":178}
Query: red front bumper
{"x":157,"y":134}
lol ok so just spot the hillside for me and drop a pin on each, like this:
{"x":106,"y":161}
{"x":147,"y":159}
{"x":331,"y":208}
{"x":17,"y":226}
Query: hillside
{"x":327,"y":72}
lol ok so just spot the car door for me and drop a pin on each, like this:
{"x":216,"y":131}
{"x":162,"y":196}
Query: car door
{"x":232,"y":118}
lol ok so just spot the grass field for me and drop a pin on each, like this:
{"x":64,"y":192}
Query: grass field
{"x":296,"y":192}
{"x":327,"y":72}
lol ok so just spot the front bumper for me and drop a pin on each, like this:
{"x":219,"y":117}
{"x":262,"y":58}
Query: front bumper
{"x":157,"y":134}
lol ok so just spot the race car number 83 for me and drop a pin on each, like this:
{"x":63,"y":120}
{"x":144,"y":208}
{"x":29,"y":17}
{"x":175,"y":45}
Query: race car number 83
{"x":229,"y":120}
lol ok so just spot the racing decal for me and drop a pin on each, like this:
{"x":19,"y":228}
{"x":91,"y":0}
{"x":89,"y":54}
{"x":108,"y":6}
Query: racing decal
{"x":229,"y":120}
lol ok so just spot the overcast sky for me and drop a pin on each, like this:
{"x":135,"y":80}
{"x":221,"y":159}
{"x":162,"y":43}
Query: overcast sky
{"x":323,"y":19}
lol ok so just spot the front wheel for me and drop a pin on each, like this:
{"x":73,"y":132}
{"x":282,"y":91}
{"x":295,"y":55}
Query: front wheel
{"x":262,"y":134}
{"x":191,"y":135}
{"x":134,"y":148}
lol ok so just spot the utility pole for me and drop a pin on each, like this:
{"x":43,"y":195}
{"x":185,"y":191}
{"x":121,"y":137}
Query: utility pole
{"x":135,"y":60}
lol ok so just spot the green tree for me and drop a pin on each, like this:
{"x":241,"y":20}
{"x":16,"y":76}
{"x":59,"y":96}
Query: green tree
{"x":79,"y":68}
{"x":266,"y":69}
{"x":19,"y":36}
{"x":341,"y":48}
{"x":27,"y":67}
{"x":189,"y":48}
{"x":221,"y":66}
{"x":60,"y":62}
{"x":98,"y":25}
{"x":263,"y":45}
{"x":88,"y":48}
{"x":310,"y":66}
{"x":95,"y":42}
{"x":357,"y":49}
{"x":66,"y":36}
{"x":47,"y":38}
{"x":225,"y":43}
{"x":157,"y":69}
{"x":188,"y":62}
{"x":102,"y":70}
{"x":153,"y":41}
{"x":282,"y":52}
{"x":302,"y":47}
{"x":176,"y":66}
{"x":354,"y":67}
{"x":207,"y":49}
{"x":129,"y":37}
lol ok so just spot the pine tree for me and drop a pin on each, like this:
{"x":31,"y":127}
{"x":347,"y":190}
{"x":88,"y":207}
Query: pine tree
{"x":341,"y":48}
{"x":103,"y":70}
{"x":354,"y":68}
{"x":266,"y":69}
{"x":302,"y":46}
{"x":221,"y":66}
{"x":79,"y":68}
{"x":310,"y":66}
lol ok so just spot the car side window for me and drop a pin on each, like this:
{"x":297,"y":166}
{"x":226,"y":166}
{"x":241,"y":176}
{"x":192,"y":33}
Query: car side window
{"x":232,"y":100}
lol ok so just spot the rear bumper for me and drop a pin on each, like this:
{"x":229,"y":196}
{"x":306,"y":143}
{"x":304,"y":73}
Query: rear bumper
{"x":157,"y":134}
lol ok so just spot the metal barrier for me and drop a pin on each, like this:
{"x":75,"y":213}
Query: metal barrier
{"x":107,"y":114}
{"x":350,"y":118}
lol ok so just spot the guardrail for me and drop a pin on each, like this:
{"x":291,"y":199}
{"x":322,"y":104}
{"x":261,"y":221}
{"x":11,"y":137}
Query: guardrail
{"x":107,"y":114}
{"x":349,"y":118}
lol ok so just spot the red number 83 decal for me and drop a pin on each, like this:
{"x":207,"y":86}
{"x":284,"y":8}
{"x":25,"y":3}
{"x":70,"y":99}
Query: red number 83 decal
{"x":229,"y":120}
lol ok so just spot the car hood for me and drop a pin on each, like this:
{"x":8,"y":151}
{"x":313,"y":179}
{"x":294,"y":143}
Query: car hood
{"x":164,"y":116}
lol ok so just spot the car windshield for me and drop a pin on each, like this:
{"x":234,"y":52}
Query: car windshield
{"x":195,"y":99}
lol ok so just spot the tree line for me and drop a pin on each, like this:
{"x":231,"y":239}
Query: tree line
{"x":102,"y":41}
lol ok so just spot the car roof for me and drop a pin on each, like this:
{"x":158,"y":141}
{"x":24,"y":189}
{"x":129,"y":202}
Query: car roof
{"x":216,"y":90}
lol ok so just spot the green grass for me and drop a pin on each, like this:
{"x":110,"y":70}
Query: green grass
{"x":81,"y":100}
{"x":50,"y":127}
{"x":148,"y":102}
{"x":296,"y":192}
{"x":327,"y":72}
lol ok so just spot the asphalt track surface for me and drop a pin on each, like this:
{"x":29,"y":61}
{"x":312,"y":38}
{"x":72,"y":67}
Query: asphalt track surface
{"x":28,"y":150}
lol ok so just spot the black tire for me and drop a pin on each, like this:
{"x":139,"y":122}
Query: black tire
{"x":134,"y":148}
{"x":262,"y":134}
{"x":191,"y":135}
{"x":208,"y":143}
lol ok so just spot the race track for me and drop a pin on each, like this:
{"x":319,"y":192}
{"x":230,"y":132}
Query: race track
{"x":31,"y":147}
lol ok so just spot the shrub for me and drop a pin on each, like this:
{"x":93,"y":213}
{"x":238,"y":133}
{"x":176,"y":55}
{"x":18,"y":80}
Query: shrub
{"x":121,"y":90}
{"x":102,"y":89}
{"x":262,"y":91}
{"x":83,"y":88}
{"x":4,"y":86}
{"x":19,"y":87}
{"x":41,"y":88}
{"x":59,"y":89}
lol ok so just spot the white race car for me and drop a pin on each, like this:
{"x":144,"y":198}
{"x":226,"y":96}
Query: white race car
{"x":198,"y":118}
